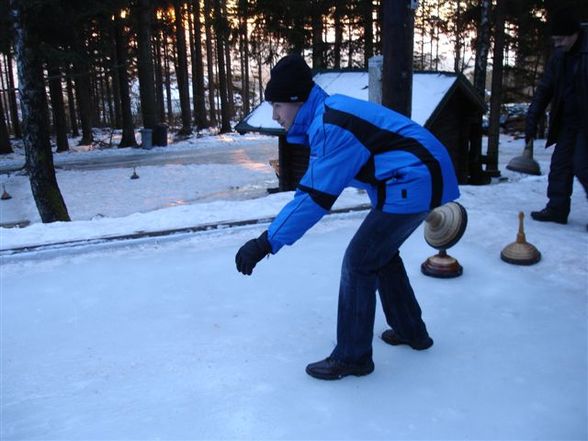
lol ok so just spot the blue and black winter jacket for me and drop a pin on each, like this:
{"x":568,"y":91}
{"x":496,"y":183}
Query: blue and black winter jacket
{"x":403,"y":167}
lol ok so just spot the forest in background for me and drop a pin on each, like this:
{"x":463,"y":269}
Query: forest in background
{"x":202,"y":64}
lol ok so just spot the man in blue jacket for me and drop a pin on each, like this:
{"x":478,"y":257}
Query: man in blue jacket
{"x":406,"y":172}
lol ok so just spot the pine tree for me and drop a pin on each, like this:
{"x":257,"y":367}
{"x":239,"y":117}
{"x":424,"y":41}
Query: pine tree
{"x":39,"y":159}
{"x":57,"y":106}
{"x":208,"y":23}
{"x":182,"y":70}
{"x":496,"y":97}
{"x":128,"y":128}
{"x":482,"y":48}
{"x":244,"y":52}
{"x":221,"y":41}
{"x":5,"y":146}
{"x":142,"y":11}
{"x":200,"y":118}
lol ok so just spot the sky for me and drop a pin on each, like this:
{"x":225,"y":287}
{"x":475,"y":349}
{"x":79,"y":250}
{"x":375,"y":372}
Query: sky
{"x":161,"y":338}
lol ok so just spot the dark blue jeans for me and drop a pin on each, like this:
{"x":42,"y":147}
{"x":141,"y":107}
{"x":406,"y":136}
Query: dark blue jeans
{"x":569,"y":158}
{"x":372,"y":262}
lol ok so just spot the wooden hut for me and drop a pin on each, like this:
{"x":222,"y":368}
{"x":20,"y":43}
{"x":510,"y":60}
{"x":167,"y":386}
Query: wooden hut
{"x":445,"y":103}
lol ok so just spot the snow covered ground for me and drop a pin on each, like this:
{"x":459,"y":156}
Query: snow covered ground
{"x":163,"y":339}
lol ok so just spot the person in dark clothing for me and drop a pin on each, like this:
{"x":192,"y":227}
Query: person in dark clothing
{"x":565,"y":85}
{"x":406,"y":172}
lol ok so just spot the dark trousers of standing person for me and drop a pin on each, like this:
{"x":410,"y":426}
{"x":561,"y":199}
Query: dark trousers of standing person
{"x":372,"y":262}
{"x":569,"y":158}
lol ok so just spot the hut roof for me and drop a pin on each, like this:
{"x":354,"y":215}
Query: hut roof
{"x":430,"y":91}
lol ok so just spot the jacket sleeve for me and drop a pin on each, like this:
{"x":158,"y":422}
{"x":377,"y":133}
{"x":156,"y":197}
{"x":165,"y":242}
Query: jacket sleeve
{"x":542,"y":97}
{"x":334,"y":162}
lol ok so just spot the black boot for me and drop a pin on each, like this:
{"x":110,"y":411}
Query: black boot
{"x":393,"y":339}
{"x":331,"y":369}
{"x":548,"y":215}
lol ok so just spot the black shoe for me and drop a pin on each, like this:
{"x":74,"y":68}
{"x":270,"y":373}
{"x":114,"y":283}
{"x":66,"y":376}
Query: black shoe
{"x":331,"y":369}
{"x":393,"y":339}
{"x":548,"y":215}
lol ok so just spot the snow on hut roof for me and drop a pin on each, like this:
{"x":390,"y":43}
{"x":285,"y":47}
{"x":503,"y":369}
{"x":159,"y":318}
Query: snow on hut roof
{"x":428,"y":91}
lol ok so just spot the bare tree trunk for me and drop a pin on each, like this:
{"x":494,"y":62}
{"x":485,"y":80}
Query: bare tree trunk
{"x":114,"y":94}
{"x":458,"y":43}
{"x":159,"y":77}
{"x":229,"y":82}
{"x":398,"y":48}
{"x":436,"y":28}
{"x":482,"y":47}
{"x":166,"y":64}
{"x":182,"y":70}
{"x":82,"y":81}
{"x":5,"y":146}
{"x":222,"y":76}
{"x":210,"y":60}
{"x":4,"y":92}
{"x":338,"y":36}
{"x":259,"y":77}
{"x":107,"y":106}
{"x":98,"y":105}
{"x":191,"y":49}
{"x":143,"y":11}
{"x":227,"y":49}
{"x":496,"y":97}
{"x":420,"y":26}
{"x":12,"y":97}
{"x":244,"y":49}
{"x":350,"y":45}
{"x":114,"y":74}
{"x":318,"y":52}
{"x":217,"y":99}
{"x":121,"y":48}
{"x":71,"y":104}
{"x":368,"y":30}
{"x":198,"y":70}
{"x":57,"y":107}
{"x":39,"y":158}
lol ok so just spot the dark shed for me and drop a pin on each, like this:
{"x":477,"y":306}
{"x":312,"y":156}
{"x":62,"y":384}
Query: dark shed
{"x":445,"y":103}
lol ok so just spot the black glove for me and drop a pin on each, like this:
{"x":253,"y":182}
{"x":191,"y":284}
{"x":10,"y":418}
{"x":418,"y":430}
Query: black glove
{"x":251,"y":253}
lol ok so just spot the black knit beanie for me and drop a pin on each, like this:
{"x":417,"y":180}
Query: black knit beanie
{"x":290,"y":80}
{"x":564,"y":22}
